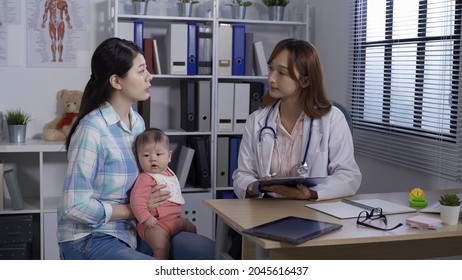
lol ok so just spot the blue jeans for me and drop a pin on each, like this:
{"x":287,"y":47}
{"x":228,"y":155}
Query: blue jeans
{"x":100,"y":246}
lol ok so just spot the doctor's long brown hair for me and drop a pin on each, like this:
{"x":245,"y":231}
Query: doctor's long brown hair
{"x":303,"y":57}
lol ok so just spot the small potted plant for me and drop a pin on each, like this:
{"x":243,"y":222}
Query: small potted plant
{"x":450,"y":208}
{"x":238,"y":8}
{"x":140,"y":6}
{"x":17,"y":122}
{"x":276,"y":9}
{"x":185,"y":7}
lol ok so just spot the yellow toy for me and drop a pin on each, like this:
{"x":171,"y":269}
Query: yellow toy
{"x":416,"y":192}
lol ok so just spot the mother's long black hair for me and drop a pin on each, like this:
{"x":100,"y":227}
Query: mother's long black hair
{"x":114,"y":56}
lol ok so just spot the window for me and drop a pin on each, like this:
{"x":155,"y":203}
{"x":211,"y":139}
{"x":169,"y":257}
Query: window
{"x":406,"y":83}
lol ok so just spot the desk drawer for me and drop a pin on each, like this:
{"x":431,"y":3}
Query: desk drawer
{"x":15,"y":229}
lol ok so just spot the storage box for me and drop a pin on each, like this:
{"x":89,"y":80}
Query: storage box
{"x":15,"y":229}
{"x":15,"y":251}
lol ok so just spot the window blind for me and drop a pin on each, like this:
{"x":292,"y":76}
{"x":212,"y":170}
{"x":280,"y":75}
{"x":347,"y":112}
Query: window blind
{"x":405,"y":83}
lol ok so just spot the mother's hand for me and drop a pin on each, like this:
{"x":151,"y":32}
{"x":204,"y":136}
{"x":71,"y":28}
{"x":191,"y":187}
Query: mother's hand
{"x":158,"y":197}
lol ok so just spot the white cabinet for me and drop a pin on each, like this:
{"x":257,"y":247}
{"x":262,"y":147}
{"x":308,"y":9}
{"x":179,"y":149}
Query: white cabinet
{"x":40,"y":168}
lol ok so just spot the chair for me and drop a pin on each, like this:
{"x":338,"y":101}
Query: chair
{"x":346,"y":113}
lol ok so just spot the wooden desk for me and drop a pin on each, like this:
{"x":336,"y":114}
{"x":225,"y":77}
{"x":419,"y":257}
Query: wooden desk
{"x":350,"y":242}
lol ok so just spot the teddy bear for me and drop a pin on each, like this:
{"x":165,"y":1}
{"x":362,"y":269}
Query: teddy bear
{"x":58,"y":128}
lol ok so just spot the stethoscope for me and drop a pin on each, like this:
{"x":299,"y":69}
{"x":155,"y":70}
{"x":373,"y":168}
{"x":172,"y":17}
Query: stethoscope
{"x":302,"y":166}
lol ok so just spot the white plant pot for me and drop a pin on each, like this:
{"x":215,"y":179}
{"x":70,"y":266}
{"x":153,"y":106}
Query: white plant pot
{"x":450,"y":214}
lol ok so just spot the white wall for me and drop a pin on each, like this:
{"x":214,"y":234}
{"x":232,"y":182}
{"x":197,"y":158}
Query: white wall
{"x":34,"y":90}
{"x":331,"y":38}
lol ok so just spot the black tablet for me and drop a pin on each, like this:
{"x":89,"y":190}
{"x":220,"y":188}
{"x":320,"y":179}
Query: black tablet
{"x":288,"y":181}
{"x":292,"y":229}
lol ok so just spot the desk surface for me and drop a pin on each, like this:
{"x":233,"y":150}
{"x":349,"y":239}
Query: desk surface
{"x":241,"y":214}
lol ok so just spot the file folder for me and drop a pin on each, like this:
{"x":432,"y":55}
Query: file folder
{"x":192,"y":49}
{"x":204,"y":52}
{"x":177,"y":49}
{"x":126,"y":31}
{"x":1,"y":185}
{"x":204,"y":97}
{"x":261,"y":64}
{"x":234,"y":143}
{"x":241,"y":106}
{"x":138,"y":33}
{"x":184,"y":164}
{"x":222,"y":161}
{"x":144,"y":109}
{"x":148,"y":49}
{"x":256,"y":93}
{"x":225,"y":37}
{"x":201,"y":161}
{"x":157,"y":68}
{"x":188,"y":105}
{"x":248,"y":54}
{"x":225,"y":107}
{"x":238,"y":51}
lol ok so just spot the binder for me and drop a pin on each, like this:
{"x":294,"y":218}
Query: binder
{"x":234,"y":143}
{"x":248,"y":54}
{"x":238,"y":51}
{"x":225,"y":37}
{"x":256,"y":94}
{"x":222,"y":161}
{"x":1,"y":184}
{"x":144,"y":109}
{"x":204,"y":52}
{"x":126,"y":31}
{"x":12,"y":184}
{"x":241,"y":106}
{"x":204,"y":98}
{"x":225,"y":107}
{"x":148,"y":49}
{"x":138,"y":33}
{"x":188,"y":105}
{"x":192,"y":49}
{"x":157,"y":68}
{"x":260,"y":62}
{"x":184,"y":164}
{"x":201,"y":161}
{"x":177,"y":48}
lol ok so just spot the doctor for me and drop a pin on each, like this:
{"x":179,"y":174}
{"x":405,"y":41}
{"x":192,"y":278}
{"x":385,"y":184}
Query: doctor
{"x":298,"y":132}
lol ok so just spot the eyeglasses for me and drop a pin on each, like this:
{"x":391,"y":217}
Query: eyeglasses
{"x":375,"y":214}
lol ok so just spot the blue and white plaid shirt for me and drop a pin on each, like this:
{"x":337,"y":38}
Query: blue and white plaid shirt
{"x":102,"y":169}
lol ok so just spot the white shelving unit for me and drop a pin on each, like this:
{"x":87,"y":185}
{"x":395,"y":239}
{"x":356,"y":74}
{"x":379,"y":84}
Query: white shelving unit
{"x":40,"y":167}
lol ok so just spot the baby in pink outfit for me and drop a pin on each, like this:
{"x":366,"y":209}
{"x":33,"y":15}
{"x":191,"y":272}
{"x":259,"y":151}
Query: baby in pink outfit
{"x":157,"y":226}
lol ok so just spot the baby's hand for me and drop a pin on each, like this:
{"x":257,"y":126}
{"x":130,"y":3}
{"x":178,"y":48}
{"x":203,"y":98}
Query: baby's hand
{"x":151,"y":222}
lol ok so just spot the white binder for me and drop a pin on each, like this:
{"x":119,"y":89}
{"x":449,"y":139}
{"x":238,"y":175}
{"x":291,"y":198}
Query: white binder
{"x":225,"y":53}
{"x":225,"y":108}
{"x":184,"y":165}
{"x":241,"y":106}
{"x":261,"y":64}
{"x":203,"y":106}
{"x":177,"y":48}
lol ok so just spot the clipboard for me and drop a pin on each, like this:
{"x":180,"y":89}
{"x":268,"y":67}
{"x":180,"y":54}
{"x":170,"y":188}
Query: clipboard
{"x":289,"y":181}
{"x":293,"y":230}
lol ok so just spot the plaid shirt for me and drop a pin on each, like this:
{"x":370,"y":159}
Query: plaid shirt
{"x":102,"y":169}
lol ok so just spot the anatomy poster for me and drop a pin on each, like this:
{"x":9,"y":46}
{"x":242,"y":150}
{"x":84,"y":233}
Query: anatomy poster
{"x":10,"y":32}
{"x":57,"y":33}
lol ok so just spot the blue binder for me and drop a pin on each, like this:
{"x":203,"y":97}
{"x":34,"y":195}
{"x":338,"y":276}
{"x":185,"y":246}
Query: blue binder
{"x":238,"y":64}
{"x":138,"y":33}
{"x":192,"y":49}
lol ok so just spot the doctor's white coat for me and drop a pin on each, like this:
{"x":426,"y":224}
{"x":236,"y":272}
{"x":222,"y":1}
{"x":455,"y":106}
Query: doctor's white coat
{"x":330,"y":155}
